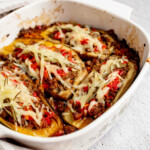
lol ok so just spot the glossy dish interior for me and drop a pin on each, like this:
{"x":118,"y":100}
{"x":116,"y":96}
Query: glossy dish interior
{"x":124,"y":29}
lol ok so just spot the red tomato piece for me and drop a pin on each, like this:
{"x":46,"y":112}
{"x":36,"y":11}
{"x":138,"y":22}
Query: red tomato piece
{"x":45,"y":85}
{"x":125,"y":62}
{"x":69,"y":69}
{"x":120,"y":72}
{"x":78,"y":102}
{"x":96,"y":49}
{"x":46,"y":74}
{"x":48,"y":114}
{"x":114,"y":84}
{"x":61,"y":72}
{"x":34,"y":66}
{"x":63,"y":52}
{"x":70,"y":56}
{"x":86,"y":88}
{"x":21,"y":104}
{"x":84,"y":41}
{"x":93,"y":99}
{"x":25,"y":108}
{"x":57,"y":35}
{"x":4,"y":74}
{"x":104,"y":47}
{"x":35,"y":94}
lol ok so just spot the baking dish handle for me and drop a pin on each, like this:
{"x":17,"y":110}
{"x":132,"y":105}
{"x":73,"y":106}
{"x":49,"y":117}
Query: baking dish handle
{"x":112,"y":6}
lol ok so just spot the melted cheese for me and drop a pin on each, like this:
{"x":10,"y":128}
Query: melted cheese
{"x":101,"y":93}
{"x":113,"y":76}
{"x":31,"y":71}
{"x":103,"y":89}
{"x":78,"y":34}
{"x":92,"y":104}
{"x":97,"y":82}
{"x":85,"y":97}
{"x":44,"y":56}
{"x":112,"y":64}
{"x":13,"y":89}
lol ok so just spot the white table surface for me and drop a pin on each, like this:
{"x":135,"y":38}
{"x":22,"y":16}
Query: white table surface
{"x":132,"y":131}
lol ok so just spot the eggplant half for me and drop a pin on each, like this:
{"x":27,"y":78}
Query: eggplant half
{"x":126,"y":69}
{"x":87,"y":42}
{"x":22,"y":107}
{"x":100,"y":90}
{"x":55,"y":67}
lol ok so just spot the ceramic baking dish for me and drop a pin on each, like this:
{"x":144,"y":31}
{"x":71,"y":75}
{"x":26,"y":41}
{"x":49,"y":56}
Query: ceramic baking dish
{"x":104,"y":14}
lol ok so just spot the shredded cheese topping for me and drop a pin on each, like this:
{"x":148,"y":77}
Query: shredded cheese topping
{"x":47,"y":58}
{"x":84,"y":97}
{"x":76,"y":36}
{"x":97,"y":87}
{"x":112,"y":64}
{"x":16,"y":95}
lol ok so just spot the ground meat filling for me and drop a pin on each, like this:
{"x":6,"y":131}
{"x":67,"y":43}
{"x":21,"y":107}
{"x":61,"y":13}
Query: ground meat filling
{"x":93,"y":112}
{"x":69,"y":129}
{"x":59,"y":106}
{"x":32,"y":32}
{"x":110,"y":96}
{"x":53,"y":85}
{"x":123,"y":49}
{"x":56,"y":35}
{"x":27,"y":121}
{"x":92,"y":64}
{"x":98,"y":108}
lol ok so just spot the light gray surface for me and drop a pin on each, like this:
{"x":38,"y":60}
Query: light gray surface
{"x":132,"y":131}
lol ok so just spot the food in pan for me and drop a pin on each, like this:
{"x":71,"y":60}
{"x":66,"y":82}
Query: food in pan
{"x":57,"y":68}
{"x":87,"y":42}
{"x":99,"y":91}
{"x":22,"y":107}
{"x":81,"y":72}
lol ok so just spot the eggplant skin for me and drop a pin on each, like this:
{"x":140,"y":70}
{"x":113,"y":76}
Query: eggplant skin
{"x":46,"y":132}
{"x":79,"y":123}
{"x":127,"y":82}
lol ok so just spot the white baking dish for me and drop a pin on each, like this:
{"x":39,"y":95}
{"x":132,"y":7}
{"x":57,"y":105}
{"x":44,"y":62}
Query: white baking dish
{"x":105,"y":14}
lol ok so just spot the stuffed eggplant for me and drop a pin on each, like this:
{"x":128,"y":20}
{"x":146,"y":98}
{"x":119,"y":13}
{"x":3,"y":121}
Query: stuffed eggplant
{"x":57,"y":68}
{"x":99,"y":91}
{"x":22,"y":107}
{"x":125,"y":69}
{"x":87,"y":42}
{"x":78,"y":111}
{"x":81,"y":71}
